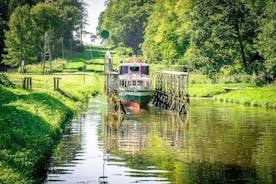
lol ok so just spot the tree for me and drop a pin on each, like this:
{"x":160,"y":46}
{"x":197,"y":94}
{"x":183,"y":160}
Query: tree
{"x":21,"y":44}
{"x":47,"y":28}
{"x":167,"y":34}
{"x":3,"y":25}
{"x":125,"y":20}
{"x":224,"y":33}
{"x":266,"y":44}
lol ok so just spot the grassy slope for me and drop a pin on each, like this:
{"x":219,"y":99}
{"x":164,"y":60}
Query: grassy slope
{"x":31,"y":123}
{"x":243,"y":93}
{"x":258,"y":96}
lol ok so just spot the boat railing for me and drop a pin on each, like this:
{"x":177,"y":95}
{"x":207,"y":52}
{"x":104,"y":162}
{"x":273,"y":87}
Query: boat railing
{"x":135,"y":81}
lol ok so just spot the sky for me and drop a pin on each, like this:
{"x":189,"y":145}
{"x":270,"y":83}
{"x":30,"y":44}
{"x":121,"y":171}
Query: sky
{"x":94,"y":9}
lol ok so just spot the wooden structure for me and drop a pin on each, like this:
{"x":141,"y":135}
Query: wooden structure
{"x":27,"y":83}
{"x":56,"y":83}
{"x":171,"y":91}
{"x":111,"y":85}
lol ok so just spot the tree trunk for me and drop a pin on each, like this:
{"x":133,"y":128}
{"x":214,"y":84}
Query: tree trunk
{"x":50,"y":56}
{"x":242,"y":52}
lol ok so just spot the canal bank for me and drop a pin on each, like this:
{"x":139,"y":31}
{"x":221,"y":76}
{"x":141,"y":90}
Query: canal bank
{"x":31,"y":125}
{"x":238,"y":93}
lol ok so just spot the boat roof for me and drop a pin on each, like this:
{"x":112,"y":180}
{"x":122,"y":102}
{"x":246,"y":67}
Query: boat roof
{"x":134,"y":62}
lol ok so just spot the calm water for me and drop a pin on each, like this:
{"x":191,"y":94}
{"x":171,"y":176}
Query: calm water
{"x":214,"y":143}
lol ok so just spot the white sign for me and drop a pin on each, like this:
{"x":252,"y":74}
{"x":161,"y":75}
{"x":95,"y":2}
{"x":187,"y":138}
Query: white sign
{"x":22,"y":62}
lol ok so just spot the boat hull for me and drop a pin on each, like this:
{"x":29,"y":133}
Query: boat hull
{"x":135,"y":100}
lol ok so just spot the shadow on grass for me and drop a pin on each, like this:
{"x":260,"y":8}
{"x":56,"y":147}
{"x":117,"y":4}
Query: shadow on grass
{"x":6,"y":96}
{"x":26,"y":139}
{"x":26,"y":142}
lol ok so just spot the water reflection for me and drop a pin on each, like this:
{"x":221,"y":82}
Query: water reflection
{"x":214,"y":143}
{"x":131,"y":134}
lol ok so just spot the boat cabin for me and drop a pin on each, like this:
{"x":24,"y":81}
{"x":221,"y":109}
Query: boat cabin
{"x":134,"y":72}
{"x":134,"y":68}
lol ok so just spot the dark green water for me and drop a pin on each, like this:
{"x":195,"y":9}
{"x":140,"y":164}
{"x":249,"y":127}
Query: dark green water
{"x":214,"y":143}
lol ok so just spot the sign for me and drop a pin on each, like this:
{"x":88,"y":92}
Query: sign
{"x":22,"y":63}
{"x":104,"y":34}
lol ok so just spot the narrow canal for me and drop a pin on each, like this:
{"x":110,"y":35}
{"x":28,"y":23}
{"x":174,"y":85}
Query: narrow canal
{"x":214,"y":143}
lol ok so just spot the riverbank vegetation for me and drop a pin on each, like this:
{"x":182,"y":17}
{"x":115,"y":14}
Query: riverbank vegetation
{"x":214,"y":37}
{"x":36,"y":118}
{"x":228,"y":46}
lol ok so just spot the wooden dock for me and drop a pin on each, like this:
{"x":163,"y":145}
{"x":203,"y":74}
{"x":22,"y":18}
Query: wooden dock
{"x":171,"y":91}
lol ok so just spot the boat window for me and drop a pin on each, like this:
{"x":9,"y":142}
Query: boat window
{"x":123,"y":70}
{"x":145,"y":70}
{"x":134,"y":68}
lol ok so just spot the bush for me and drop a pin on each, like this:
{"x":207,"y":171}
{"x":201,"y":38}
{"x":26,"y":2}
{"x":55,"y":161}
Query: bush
{"x":57,"y":66}
{"x":259,"y":80}
{"x":123,"y":51}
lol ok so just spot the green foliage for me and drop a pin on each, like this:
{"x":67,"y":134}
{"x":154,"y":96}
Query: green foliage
{"x":266,"y":44}
{"x":20,"y":42}
{"x":167,"y":34}
{"x":224,"y":34}
{"x":214,"y":37}
{"x":125,"y":21}
{"x":30,"y":28}
{"x":58,"y":65}
{"x":28,"y":121}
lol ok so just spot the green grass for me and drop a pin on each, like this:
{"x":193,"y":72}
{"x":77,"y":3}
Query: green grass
{"x":76,"y":85}
{"x":258,"y":96}
{"x":36,"y":119}
{"x":210,"y":90}
{"x":31,"y":123}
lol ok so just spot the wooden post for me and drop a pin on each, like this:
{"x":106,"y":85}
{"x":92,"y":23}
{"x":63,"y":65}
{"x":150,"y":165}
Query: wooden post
{"x":56,"y":83}
{"x":27,"y":83}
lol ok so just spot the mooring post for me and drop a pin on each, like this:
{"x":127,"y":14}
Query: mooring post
{"x":56,"y":83}
{"x":27,"y":83}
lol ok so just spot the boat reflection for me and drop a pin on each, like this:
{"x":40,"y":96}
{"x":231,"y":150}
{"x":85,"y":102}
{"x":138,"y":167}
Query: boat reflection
{"x":131,"y":134}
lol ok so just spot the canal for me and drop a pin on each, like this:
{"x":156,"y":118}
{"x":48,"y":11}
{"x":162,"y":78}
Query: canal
{"x":214,"y":143}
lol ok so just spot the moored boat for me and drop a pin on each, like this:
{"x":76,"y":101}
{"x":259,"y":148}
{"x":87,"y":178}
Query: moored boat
{"x":135,"y":90}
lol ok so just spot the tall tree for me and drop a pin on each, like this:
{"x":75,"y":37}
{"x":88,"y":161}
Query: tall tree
{"x":125,"y":20}
{"x":21,"y":44}
{"x":3,"y":25}
{"x":266,"y":42}
{"x":224,"y":33}
{"x":47,"y":28}
{"x":167,"y":34}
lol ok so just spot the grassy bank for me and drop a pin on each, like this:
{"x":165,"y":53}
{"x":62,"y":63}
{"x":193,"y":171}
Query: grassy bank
{"x":31,"y":123}
{"x":245,"y":93}
{"x":257,"y":96}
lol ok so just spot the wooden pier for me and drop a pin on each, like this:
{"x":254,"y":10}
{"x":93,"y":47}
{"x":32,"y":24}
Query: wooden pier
{"x":171,"y":91}
{"x":111,"y":86}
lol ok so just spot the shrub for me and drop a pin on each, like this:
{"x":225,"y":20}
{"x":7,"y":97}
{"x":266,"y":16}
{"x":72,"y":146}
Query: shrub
{"x":57,"y":66}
